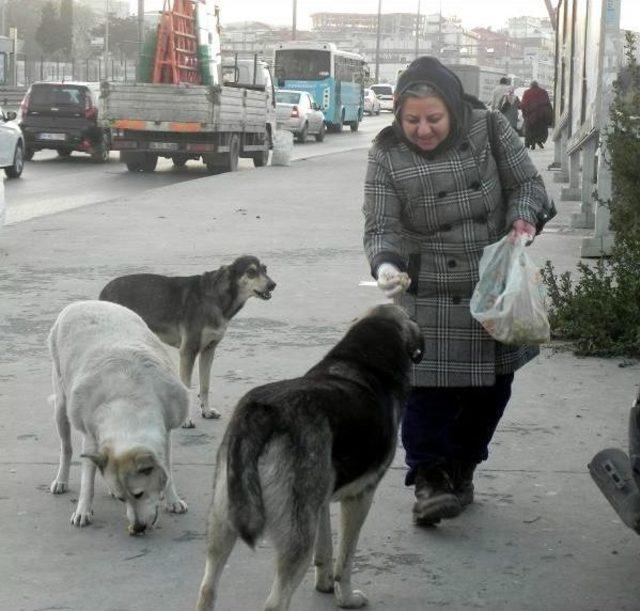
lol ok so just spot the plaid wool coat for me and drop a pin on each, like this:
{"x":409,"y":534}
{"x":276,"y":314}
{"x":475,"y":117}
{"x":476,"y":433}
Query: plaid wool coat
{"x":432,"y":218}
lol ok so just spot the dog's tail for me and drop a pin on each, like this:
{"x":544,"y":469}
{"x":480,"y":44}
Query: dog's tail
{"x":254,"y":425}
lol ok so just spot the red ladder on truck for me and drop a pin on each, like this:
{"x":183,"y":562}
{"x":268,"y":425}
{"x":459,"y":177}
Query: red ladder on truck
{"x":176,"y":59}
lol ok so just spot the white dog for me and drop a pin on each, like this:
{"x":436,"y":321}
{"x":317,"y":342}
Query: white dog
{"x":113,"y":379}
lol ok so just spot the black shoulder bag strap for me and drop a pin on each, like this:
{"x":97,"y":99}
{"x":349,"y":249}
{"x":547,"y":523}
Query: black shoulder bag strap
{"x":548,"y":206}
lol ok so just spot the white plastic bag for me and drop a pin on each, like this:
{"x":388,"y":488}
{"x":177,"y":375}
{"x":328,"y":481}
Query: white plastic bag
{"x":282,"y":148}
{"x":509,"y":299}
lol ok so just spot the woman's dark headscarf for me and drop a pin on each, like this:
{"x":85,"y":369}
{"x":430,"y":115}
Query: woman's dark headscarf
{"x":429,"y":71}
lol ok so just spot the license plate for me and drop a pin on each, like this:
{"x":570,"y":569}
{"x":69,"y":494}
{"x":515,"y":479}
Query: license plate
{"x":48,"y":136}
{"x":163,"y":146}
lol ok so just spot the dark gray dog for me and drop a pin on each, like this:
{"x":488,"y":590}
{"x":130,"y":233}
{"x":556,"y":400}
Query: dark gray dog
{"x":191,"y":313}
{"x":293,"y":446}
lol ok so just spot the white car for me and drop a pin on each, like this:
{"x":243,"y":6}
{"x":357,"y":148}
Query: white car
{"x":297,"y":112}
{"x":384,"y":92}
{"x":11,"y":145}
{"x":371,"y":103}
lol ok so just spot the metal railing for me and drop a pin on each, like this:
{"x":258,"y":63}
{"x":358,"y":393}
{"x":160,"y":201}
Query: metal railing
{"x":30,"y":70}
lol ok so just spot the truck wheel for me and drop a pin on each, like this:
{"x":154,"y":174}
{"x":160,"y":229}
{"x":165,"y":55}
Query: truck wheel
{"x":28,"y":154}
{"x":179,"y":161}
{"x":355,"y":125}
{"x":100,"y":152}
{"x":139,"y":162}
{"x":150,"y":162}
{"x":261,"y":159}
{"x":64,"y":153}
{"x":225,"y":162}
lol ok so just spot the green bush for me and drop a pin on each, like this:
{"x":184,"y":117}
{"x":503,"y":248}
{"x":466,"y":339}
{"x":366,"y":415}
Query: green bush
{"x":622,"y":141}
{"x":599,"y":311}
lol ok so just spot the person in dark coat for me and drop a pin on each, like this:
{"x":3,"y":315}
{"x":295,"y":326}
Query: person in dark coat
{"x":446,"y":179}
{"x":537,"y":113}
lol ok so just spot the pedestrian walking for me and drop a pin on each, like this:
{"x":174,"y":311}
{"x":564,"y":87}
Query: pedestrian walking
{"x":537,"y":113}
{"x":509,"y":105}
{"x":499,"y":91}
{"x":443,"y":181}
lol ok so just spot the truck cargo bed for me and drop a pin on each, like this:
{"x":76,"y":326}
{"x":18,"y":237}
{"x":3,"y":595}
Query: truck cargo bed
{"x":162,"y":107}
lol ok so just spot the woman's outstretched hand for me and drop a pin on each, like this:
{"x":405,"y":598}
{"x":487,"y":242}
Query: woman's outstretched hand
{"x":391,"y":280}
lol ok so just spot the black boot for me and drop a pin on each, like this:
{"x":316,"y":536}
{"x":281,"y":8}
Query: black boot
{"x":435,"y":498}
{"x":462,"y":480}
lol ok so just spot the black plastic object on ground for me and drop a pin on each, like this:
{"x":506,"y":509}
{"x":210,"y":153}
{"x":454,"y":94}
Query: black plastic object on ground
{"x":618,"y":475}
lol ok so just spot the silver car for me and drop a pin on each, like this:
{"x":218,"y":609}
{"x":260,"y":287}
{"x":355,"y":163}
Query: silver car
{"x":11,"y":145}
{"x":371,"y":102}
{"x":297,"y":112}
{"x":384,"y":91}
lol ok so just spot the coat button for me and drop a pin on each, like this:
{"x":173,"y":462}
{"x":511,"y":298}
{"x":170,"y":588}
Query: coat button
{"x":475,"y":185}
{"x":451,"y":263}
{"x":442,"y":194}
{"x":456,"y":300}
{"x":446,"y":228}
{"x":464,"y":146}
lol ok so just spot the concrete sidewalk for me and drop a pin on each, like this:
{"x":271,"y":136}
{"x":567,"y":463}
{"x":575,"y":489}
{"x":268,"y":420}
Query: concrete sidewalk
{"x":540,"y":536}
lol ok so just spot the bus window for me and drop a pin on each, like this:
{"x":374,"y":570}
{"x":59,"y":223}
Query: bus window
{"x":303,"y":64}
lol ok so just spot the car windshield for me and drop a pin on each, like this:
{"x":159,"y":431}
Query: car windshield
{"x":56,"y":95}
{"x":287,"y":97}
{"x":382,"y":89}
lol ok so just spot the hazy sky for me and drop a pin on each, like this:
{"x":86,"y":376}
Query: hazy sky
{"x":474,"y":13}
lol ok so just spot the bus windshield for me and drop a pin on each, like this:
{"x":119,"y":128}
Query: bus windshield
{"x":302,"y":64}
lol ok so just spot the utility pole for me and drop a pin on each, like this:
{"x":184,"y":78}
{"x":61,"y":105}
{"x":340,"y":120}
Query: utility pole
{"x":552,"y":13}
{"x":295,"y":14}
{"x":106,"y":41}
{"x":418,"y":31}
{"x":4,"y":17}
{"x":140,"y":25}
{"x":378,"y":43}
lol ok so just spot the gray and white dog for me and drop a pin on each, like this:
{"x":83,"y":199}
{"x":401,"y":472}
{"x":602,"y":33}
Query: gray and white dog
{"x":115,"y":383}
{"x":192,"y":313}
{"x":293,"y":446}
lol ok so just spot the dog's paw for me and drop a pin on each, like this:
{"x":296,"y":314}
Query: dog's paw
{"x":211,"y":414}
{"x":178,"y":506}
{"x":189,"y":424}
{"x":353,"y":600}
{"x":58,"y":487}
{"x":81,"y":518}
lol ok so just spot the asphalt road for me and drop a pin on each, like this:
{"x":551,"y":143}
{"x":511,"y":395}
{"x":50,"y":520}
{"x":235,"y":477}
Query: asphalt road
{"x":540,"y":537}
{"x":51,"y":184}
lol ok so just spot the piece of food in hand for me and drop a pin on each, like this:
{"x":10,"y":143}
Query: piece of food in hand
{"x":405,"y":281}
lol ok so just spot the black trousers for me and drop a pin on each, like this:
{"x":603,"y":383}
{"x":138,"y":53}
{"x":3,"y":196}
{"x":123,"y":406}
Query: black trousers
{"x":441,"y":425}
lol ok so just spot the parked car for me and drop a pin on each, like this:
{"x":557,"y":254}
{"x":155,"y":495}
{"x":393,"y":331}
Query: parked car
{"x":297,"y":112}
{"x":384,"y":92}
{"x":64,"y":117}
{"x":371,"y":102}
{"x":12,"y":145}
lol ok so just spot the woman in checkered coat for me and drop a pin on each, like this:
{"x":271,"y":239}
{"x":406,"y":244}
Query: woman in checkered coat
{"x":444,"y":181}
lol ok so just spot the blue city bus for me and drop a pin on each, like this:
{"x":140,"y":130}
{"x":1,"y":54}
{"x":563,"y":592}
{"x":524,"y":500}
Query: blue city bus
{"x":333,"y":77}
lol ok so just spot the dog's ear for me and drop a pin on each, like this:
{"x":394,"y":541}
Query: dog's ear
{"x":100,"y":460}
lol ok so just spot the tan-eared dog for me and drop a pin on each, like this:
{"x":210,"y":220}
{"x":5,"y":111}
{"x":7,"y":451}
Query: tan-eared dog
{"x":113,"y":380}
